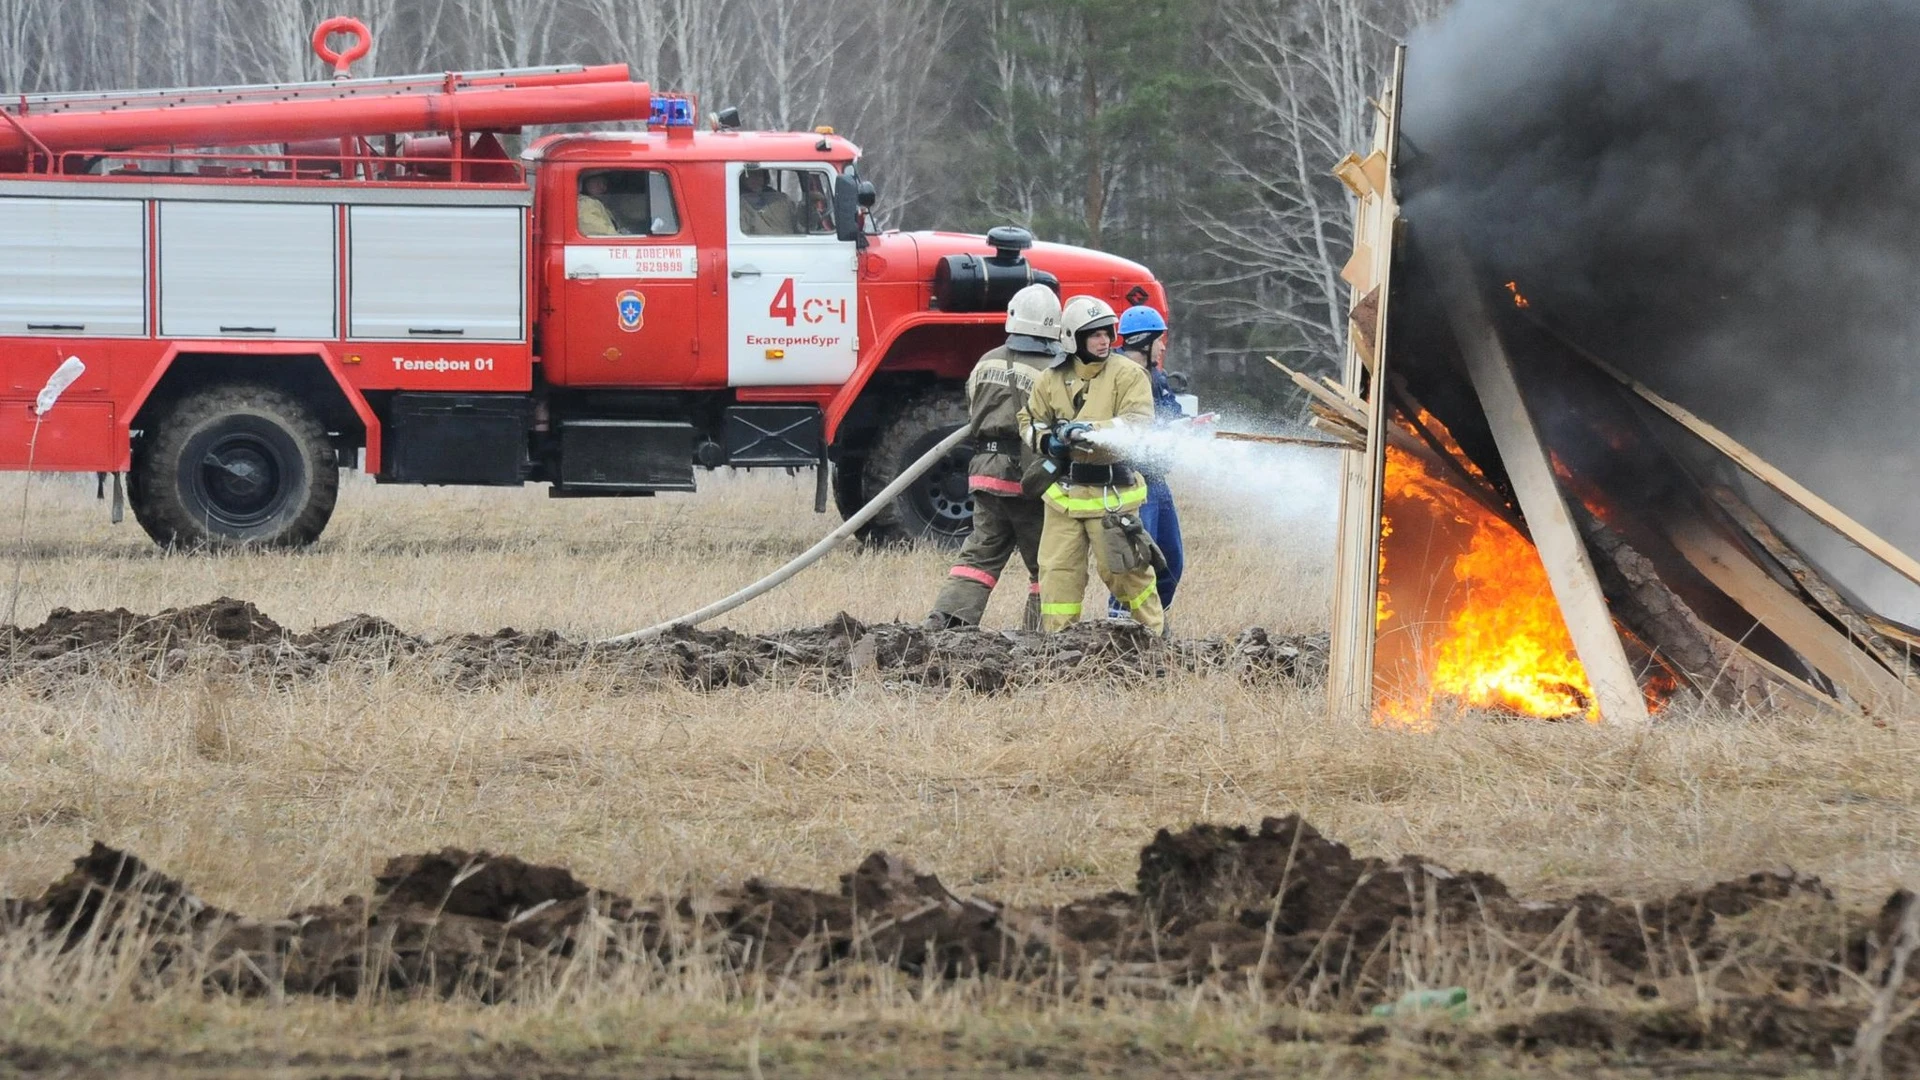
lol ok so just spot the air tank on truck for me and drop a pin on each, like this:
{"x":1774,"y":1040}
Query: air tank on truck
{"x":267,"y":284}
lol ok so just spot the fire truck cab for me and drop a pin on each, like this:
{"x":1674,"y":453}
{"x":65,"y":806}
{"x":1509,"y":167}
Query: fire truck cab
{"x":266,"y":284}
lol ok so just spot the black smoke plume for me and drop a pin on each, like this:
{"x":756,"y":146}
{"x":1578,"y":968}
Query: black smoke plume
{"x":1722,"y":196}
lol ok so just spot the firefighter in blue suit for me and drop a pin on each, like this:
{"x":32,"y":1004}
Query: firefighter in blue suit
{"x":1143,"y":339}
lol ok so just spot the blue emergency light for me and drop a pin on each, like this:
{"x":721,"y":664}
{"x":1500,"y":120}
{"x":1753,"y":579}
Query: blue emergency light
{"x":671,"y":112}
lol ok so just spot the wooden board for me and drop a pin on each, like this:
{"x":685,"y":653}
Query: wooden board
{"x":1858,"y":624}
{"x":1827,"y":649}
{"x":1561,"y":550}
{"x":1357,"y":568}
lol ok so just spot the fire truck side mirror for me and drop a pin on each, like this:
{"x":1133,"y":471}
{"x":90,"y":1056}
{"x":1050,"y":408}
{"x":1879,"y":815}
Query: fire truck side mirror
{"x":846,"y":210}
{"x":868,"y":195}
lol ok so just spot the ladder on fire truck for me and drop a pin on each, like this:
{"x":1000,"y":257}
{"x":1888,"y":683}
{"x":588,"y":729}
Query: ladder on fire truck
{"x":99,"y":101}
{"x":324,"y":130}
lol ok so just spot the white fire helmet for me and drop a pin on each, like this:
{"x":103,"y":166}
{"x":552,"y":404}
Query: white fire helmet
{"x":1086,"y":313}
{"x":1033,"y":321}
{"x":1083,"y":315}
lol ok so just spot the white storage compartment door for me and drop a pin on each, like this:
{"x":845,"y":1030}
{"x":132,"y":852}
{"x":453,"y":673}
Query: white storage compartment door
{"x":73,"y":266}
{"x":232,"y":269}
{"x":419,"y":273}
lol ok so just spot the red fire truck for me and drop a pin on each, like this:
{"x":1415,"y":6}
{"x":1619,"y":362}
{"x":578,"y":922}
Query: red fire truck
{"x":269,"y":283}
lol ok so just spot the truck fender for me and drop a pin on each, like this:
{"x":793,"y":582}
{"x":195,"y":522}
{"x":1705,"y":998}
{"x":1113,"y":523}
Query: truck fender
{"x":261,"y":349}
{"x":871,"y":360}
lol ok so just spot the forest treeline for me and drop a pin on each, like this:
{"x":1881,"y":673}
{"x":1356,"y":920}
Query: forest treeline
{"x":1193,"y":135}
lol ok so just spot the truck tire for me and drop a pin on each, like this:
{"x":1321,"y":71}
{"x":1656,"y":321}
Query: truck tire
{"x":938,"y":509}
{"x":850,"y":486}
{"x":234,"y":465}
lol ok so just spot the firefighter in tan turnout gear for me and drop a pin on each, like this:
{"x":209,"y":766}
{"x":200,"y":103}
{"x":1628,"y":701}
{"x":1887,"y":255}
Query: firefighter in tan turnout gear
{"x":1004,"y":517}
{"x":1094,"y":501}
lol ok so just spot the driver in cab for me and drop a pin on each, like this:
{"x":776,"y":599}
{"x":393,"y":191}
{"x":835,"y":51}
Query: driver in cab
{"x":593,"y":217}
{"x":609,"y":210}
{"x":764,"y":210}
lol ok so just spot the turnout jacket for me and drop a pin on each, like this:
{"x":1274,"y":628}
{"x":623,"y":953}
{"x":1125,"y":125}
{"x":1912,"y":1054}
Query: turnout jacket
{"x":1104,"y":395}
{"x":997,"y":391}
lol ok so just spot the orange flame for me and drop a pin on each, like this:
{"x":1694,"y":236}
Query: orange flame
{"x":1495,"y":638}
{"x":1519,"y":299}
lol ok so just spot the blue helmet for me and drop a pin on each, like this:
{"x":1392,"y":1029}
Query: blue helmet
{"x":1141,"y":319}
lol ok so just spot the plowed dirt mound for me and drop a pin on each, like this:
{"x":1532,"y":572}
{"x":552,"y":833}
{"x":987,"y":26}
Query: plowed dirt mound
{"x":233,"y":636}
{"x":1281,"y":906}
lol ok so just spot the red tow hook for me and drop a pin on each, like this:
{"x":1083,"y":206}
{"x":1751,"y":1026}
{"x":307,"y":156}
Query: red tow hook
{"x":342,"y":61}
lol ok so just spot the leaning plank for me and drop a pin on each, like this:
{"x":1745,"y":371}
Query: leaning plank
{"x":1329,"y":383}
{"x":1344,"y":435}
{"x":1339,"y":418}
{"x":1734,"y":573}
{"x":1531,"y":473}
{"x":1348,"y":421}
{"x":1334,"y":399}
{"x":1350,"y":655}
{"x":1861,"y":536}
{"x":1858,"y":625}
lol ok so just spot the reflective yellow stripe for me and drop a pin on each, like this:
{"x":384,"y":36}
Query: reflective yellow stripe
{"x":1134,"y":604}
{"x":1059,"y":609}
{"x":1109,"y":499}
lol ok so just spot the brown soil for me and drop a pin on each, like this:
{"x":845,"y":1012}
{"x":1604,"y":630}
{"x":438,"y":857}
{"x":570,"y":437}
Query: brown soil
{"x":233,"y":636}
{"x":1781,"y":964}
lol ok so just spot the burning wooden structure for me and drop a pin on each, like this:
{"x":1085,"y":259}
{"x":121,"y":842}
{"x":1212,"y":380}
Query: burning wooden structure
{"x":1526,"y":528}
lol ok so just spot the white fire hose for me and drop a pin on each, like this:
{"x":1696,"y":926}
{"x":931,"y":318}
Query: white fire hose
{"x":811,"y":555}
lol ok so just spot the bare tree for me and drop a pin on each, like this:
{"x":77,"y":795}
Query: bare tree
{"x":187,"y":39}
{"x":888,"y":100}
{"x":18,"y":19}
{"x":1304,"y":74}
{"x":792,"y":48}
{"x":512,"y":33}
{"x":271,"y":41}
{"x":706,"y":46}
{"x":637,"y":29}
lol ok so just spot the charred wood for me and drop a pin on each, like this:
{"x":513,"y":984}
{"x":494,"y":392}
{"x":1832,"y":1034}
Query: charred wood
{"x":1717,"y":669}
{"x":1897,"y":657}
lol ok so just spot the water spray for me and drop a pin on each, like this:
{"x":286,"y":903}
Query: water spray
{"x":1281,"y":473}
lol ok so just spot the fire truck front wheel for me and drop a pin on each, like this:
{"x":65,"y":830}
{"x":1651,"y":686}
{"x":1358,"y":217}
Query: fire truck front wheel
{"x":938,"y":509}
{"x":235,"y":466}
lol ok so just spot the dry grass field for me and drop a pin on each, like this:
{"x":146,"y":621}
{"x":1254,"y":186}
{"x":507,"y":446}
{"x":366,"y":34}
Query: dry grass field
{"x":268,"y":796}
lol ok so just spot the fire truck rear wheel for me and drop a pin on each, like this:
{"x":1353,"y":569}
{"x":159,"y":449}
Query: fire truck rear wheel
{"x":235,"y":466}
{"x":937,"y":509}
